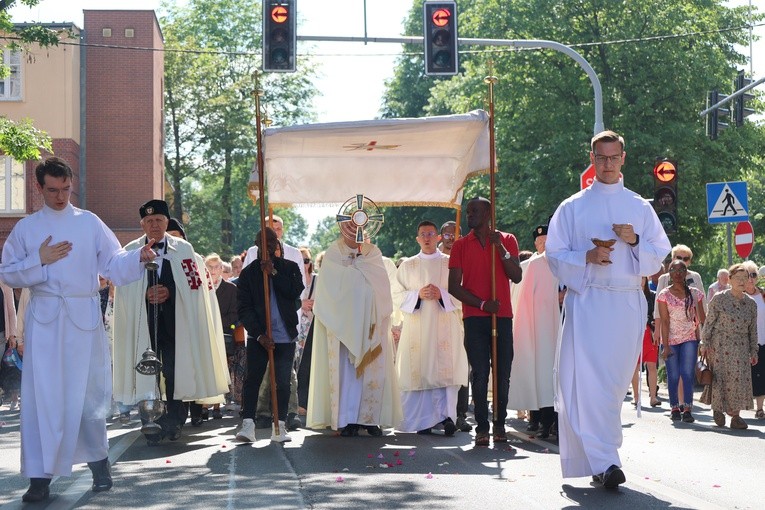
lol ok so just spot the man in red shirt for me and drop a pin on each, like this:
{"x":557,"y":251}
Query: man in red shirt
{"x":470,"y":282}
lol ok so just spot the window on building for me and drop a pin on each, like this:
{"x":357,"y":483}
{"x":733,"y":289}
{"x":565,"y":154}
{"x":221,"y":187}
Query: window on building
{"x":13,"y":189}
{"x":10,"y":86}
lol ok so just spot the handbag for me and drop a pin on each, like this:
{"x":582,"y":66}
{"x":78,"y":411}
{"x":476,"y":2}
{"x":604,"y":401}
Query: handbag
{"x":703,"y":372}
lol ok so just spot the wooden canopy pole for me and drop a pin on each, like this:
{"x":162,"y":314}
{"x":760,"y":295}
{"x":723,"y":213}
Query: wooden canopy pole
{"x":264,"y":251}
{"x":490,"y":81}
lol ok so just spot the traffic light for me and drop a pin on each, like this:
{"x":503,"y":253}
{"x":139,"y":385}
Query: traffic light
{"x":716,"y":118}
{"x":665,"y":193}
{"x":279,"y":35}
{"x":440,"y":23}
{"x":740,"y":111}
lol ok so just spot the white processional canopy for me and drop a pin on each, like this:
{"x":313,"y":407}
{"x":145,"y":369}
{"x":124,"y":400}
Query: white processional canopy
{"x":424,"y":161}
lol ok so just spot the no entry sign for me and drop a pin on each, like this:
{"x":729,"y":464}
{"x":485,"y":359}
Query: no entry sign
{"x":744,"y":239}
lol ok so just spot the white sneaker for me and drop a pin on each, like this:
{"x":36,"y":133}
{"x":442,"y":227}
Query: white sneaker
{"x":283,"y":437}
{"x":247,"y":432}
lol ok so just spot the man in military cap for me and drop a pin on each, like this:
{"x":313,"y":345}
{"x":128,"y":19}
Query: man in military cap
{"x":169,"y":309}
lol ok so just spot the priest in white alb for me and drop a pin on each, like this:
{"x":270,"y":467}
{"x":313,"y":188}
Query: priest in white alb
{"x":58,"y":253}
{"x":431,"y":362}
{"x":353,"y":380}
{"x":600,"y":242}
{"x":536,"y":325}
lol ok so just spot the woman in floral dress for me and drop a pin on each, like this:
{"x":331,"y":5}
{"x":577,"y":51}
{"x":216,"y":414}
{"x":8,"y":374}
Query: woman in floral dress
{"x":729,"y":339}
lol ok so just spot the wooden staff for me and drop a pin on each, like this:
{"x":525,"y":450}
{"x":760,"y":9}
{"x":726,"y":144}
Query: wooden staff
{"x":264,"y":252}
{"x":490,"y":81}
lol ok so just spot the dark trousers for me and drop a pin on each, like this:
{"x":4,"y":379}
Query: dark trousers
{"x":304,"y":370}
{"x":257,"y":359}
{"x":478,"y":347}
{"x":176,"y":411}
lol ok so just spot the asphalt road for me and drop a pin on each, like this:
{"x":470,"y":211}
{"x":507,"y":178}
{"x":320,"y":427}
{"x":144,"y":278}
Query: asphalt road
{"x":668,"y":465}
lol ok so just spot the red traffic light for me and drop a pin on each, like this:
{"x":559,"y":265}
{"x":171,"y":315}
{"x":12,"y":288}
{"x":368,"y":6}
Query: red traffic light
{"x":279,"y":14}
{"x":665,"y":171}
{"x":441,"y":17}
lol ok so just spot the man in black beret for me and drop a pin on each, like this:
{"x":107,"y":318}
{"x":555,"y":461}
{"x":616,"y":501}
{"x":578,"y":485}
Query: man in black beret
{"x":171,"y":311}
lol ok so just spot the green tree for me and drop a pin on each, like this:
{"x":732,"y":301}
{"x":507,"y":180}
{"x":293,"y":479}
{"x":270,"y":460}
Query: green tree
{"x":21,"y":140}
{"x":211,"y":114}
{"x":654,"y":83}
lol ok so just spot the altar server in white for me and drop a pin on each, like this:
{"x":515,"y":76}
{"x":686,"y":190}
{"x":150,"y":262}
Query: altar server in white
{"x":58,"y":253}
{"x":431,"y":362}
{"x":604,"y":309}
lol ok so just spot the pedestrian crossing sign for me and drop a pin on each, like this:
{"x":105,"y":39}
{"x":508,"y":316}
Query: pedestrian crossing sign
{"x":727,"y":202}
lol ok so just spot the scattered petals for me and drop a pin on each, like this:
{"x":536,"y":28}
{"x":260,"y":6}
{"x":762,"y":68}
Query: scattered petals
{"x":339,"y":479}
{"x":167,"y":461}
{"x":384,"y":465}
{"x":411,"y":453}
{"x":396,"y":454}
{"x":223,"y":446}
{"x":399,"y":462}
{"x":381,"y":456}
{"x":346,"y":469}
{"x":716,"y":486}
{"x":369,"y":455}
{"x":429,"y":476}
{"x":389,"y":464}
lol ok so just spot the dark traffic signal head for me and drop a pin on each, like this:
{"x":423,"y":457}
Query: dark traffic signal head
{"x":665,"y":193}
{"x":440,"y":26}
{"x":716,"y":118}
{"x":279,"y":35}
{"x":740,"y":110}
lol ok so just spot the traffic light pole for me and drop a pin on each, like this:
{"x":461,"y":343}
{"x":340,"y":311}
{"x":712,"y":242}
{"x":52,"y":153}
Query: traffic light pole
{"x":513,"y":43}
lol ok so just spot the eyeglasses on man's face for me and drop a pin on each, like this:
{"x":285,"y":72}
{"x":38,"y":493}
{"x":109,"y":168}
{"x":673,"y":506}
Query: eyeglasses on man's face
{"x":447,"y":236}
{"x":603,"y":159}
{"x":684,"y":258}
{"x":428,"y":235}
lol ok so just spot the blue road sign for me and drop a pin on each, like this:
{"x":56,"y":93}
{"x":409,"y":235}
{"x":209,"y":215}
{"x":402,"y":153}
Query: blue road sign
{"x":727,"y":202}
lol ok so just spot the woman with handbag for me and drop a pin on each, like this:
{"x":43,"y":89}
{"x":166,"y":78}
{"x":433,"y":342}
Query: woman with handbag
{"x":729,"y":339}
{"x":681,"y":313}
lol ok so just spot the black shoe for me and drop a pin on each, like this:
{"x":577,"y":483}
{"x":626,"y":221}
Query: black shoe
{"x":350,"y":430}
{"x":463,"y":425}
{"x":196,"y":421}
{"x":611,"y":478}
{"x":102,"y":475}
{"x":263,"y":422}
{"x":675,"y":415}
{"x":449,"y":427}
{"x":533,"y":426}
{"x":174,"y":434}
{"x":39,"y":490}
{"x":425,"y":432}
{"x":293,"y":422}
{"x":688,"y":417}
{"x":205,"y":414}
{"x":217,"y":415}
{"x":544,"y":433}
{"x":374,"y":430}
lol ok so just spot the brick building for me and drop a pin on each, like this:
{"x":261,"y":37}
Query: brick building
{"x":101,"y":102}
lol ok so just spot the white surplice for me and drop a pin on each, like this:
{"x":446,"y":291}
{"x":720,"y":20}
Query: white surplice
{"x":431,"y":362}
{"x":67,"y":385}
{"x":536,"y":324}
{"x":352,"y":374}
{"x":604,"y":322}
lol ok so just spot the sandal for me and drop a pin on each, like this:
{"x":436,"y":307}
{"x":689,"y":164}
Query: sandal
{"x":500,"y":436}
{"x":760,"y":414}
{"x":482,"y":439}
